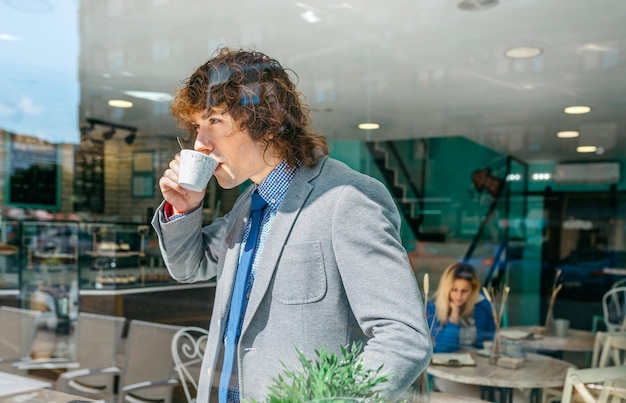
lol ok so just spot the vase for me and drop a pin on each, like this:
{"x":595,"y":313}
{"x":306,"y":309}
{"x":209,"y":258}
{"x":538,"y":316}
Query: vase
{"x":548,"y":326}
{"x":421,"y":389}
{"x":496,"y":349}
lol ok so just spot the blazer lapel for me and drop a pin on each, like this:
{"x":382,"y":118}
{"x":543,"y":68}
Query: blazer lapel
{"x":231,"y":259}
{"x":288,"y":212}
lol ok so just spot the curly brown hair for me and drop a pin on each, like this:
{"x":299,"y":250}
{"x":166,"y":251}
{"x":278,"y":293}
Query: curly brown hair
{"x":259,"y":95}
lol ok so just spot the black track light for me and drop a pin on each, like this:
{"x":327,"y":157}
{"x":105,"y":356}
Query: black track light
{"x":108,"y":134}
{"x":130,"y":138}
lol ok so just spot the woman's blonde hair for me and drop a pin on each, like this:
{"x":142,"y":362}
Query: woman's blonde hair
{"x":453,"y":272}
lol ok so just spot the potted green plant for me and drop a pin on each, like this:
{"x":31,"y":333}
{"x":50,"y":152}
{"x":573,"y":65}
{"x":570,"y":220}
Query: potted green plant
{"x":328,"y":378}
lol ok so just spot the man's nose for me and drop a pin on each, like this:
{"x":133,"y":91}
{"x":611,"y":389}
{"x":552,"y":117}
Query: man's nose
{"x":202,"y":142}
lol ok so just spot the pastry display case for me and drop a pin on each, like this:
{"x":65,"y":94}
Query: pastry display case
{"x":49,"y":268}
{"x":9,"y":255}
{"x":121,"y":256}
{"x":63,"y":267}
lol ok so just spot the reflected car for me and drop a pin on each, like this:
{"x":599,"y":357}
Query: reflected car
{"x":583,"y":272}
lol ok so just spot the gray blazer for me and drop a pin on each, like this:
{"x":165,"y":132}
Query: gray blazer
{"x":333,"y":271}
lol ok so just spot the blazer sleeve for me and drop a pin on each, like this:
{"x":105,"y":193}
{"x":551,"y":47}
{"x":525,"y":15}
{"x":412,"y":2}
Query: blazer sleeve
{"x":379,"y":282}
{"x":189,"y":251}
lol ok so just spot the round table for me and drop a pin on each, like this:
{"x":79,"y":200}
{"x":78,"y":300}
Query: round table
{"x":538,"y":372}
{"x":576,"y":340}
{"x":438,"y":397}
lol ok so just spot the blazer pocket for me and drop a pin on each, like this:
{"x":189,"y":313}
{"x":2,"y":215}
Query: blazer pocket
{"x":300,"y":276}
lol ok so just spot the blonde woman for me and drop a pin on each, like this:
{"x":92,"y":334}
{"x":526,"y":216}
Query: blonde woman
{"x":460,"y":316}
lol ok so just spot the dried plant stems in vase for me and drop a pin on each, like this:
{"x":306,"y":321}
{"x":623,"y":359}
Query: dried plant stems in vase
{"x":548,"y":324}
{"x":497,"y":301}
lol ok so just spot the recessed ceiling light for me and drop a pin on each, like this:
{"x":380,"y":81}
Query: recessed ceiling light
{"x":568,"y":134}
{"x":151,"y":95}
{"x":586,"y":149}
{"x":119,"y":103}
{"x":369,"y":126}
{"x":577,"y":110}
{"x":310,"y":17}
{"x":477,"y":5}
{"x":523,"y":52}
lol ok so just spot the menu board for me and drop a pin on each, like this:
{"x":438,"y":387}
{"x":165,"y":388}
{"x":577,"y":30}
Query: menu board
{"x":33,"y":174}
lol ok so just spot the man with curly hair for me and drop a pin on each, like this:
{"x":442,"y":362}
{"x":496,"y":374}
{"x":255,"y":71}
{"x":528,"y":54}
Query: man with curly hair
{"x":328,"y":268}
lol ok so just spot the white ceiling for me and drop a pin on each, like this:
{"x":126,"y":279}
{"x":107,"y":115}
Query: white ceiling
{"x":420,"y":68}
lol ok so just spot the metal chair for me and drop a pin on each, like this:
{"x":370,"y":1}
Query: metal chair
{"x":609,"y":381}
{"x":18,"y":328}
{"x":98,"y":339}
{"x":188,"y":347}
{"x":614,"y":309}
{"x":146,"y":375}
{"x":148,"y":366}
{"x":599,"y":319}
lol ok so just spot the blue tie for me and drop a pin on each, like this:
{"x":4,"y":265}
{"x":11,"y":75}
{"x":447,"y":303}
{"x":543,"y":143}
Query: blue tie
{"x":235,"y":316}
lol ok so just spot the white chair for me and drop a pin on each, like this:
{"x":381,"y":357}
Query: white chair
{"x":614,"y":351}
{"x":614,"y":308}
{"x":602,"y":353}
{"x":599,"y":343}
{"x":98,"y":339}
{"x":609,"y":381}
{"x":18,"y":328}
{"x":188,"y":347}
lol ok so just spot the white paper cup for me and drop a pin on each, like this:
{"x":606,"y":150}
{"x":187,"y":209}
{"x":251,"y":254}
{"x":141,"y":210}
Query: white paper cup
{"x":195,"y":170}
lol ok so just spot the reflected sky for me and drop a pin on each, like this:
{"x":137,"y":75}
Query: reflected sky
{"x":39,"y":57}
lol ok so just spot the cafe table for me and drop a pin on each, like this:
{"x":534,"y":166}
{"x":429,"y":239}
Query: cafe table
{"x":533,"y":337}
{"x":497,"y":383}
{"x":439,"y":397}
{"x":11,"y":384}
{"x":43,"y":396}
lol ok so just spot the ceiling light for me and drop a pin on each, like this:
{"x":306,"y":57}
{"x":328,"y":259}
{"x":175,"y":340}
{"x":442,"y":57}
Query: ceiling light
{"x":151,"y":95}
{"x":369,"y":126}
{"x":120,"y":103}
{"x":586,"y":149}
{"x":568,"y":134}
{"x":523,"y":52}
{"x":577,"y":110}
{"x":130,"y":138}
{"x":541,"y":176}
{"x":86,"y":129}
{"x":108,"y":135}
{"x":310,"y":17}
{"x":476,"y":5}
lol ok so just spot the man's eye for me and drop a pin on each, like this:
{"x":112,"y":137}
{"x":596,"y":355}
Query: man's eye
{"x":213,"y":121}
